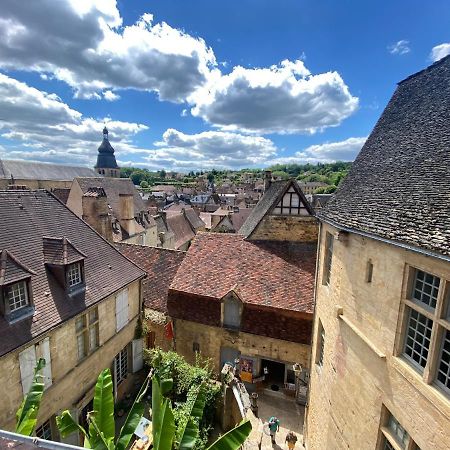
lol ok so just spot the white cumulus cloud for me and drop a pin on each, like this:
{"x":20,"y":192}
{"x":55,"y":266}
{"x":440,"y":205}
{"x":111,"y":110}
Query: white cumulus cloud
{"x":439,"y":51}
{"x":87,"y":47}
{"x":327,"y":152}
{"x":280,"y":99}
{"x":49,"y":130}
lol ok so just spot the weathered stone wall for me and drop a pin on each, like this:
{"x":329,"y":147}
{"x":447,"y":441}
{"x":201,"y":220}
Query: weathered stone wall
{"x":347,"y":394}
{"x":212,"y":339}
{"x":73,"y":381}
{"x":287,"y":228}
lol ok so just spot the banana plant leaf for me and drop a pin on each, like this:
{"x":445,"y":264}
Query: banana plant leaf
{"x":188,"y":430}
{"x":164,"y":436}
{"x":133,"y":419}
{"x":67,"y":425}
{"x":103,"y":410}
{"x":234,"y":438}
{"x":27,"y":414}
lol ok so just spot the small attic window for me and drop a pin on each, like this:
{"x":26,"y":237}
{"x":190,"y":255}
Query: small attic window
{"x":66,"y":263}
{"x":74,"y":274}
{"x":16,"y":300}
{"x":17,"y":294}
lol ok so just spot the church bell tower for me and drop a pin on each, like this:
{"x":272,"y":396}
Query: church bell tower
{"x":106,"y":161}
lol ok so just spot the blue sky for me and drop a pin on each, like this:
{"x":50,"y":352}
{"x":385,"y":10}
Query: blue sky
{"x":199,"y":84}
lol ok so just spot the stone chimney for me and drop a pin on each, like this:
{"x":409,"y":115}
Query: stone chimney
{"x":95,"y":212}
{"x":126,"y":213}
{"x":267,"y":179}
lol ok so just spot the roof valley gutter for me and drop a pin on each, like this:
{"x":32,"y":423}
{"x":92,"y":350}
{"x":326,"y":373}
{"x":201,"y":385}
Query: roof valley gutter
{"x":386,"y":241}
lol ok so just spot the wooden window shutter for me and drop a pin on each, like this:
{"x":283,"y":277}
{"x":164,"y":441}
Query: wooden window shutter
{"x":44,"y":347}
{"x":27,"y":362}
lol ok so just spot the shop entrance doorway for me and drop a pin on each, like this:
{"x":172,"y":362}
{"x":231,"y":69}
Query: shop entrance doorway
{"x":274,"y":373}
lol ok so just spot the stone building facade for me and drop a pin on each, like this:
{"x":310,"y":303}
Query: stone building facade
{"x":380,"y":376}
{"x":66,"y":296}
{"x":249,"y":297}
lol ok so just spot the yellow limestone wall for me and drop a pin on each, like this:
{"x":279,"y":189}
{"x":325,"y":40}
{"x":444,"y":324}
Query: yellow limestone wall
{"x":211,"y":339}
{"x":73,"y":381}
{"x":287,"y":228}
{"x":347,"y":394}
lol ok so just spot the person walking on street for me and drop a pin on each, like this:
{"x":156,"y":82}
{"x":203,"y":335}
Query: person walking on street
{"x":274,"y":426}
{"x":291,"y":440}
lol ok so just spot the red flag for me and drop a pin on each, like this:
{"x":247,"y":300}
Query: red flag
{"x":168,"y":331}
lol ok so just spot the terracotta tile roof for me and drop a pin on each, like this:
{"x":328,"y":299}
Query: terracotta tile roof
{"x":26,"y":218}
{"x":194,"y":218}
{"x":398,"y":186}
{"x":272,"y":274}
{"x":161,"y":266}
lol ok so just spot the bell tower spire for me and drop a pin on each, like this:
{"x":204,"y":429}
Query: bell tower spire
{"x":106,"y":161}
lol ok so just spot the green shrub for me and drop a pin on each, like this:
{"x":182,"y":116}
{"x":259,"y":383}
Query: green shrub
{"x":171,"y":365}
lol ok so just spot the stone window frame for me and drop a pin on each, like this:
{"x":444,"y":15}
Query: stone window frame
{"x":327,"y":258}
{"x":440,"y":328}
{"x":389,"y":431}
{"x":320,"y":349}
{"x":85,"y":325}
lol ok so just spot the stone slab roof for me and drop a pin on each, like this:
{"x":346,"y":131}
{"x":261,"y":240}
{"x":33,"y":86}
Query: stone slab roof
{"x":26,"y":170}
{"x":27,"y":217}
{"x":161,"y":265}
{"x":398,"y":186}
{"x":113,"y":187}
{"x":271,"y":274}
{"x":181,"y":228}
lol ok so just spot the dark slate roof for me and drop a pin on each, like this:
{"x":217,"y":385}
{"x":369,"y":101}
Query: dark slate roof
{"x":113,"y":187}
{"x":60,"y":251}
{"x":11,"y":269}
{"x":398,"y":186}
{"x":105,"y":157}
{"x":26,"y":218}
{"x":26,"y":170}
{"x":267,"y":202}
{"x":161,"y":266}
{"x":194,"y":218}
{"x":273,"y":274}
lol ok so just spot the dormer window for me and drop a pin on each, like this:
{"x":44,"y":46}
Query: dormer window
{"x":66,"y":263}
{"x":15,"y":288}
{"x":74,"y":274}
{"x":17,"y":294}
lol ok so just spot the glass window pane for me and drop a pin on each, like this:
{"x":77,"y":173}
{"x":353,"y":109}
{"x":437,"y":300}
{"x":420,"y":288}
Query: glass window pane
{"x":79,"y":323}
{"x":93,"y":337}
{"x":443,"y":373}
{"x":426,"y":287}
{"x":417,"y":342}
{"x":93,"y":316}
{"x":81,"y":346}
{"x":17,"y":296}
{"x":74,"y":274}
